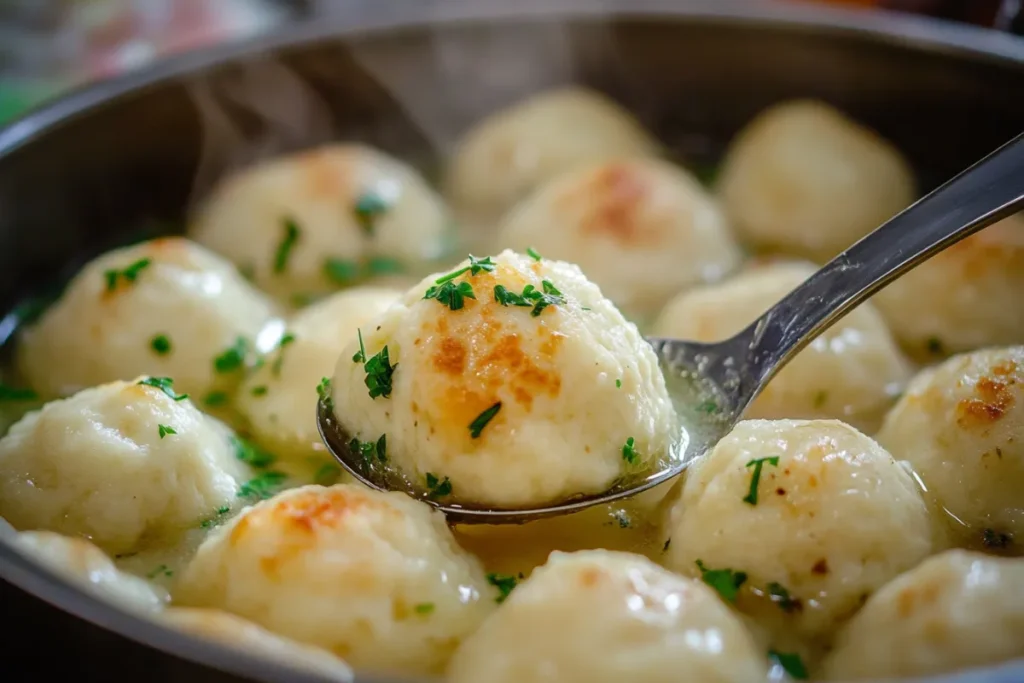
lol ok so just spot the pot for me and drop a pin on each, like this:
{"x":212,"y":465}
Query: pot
{"x":91,"y":170}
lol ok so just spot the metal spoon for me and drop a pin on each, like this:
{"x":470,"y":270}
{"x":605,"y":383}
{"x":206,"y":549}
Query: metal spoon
{"x":734,"y":371}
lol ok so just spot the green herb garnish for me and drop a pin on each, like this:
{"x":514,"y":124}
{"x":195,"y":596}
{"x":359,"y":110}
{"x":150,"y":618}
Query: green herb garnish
{"x":530,"y":296}
{"x":216,"y":518}
{"x":9,"y":393}
{"x":755,"y":479}
{"x":323,"y":390}
{"x":263,"y":486}
{"x":476,"y":427}
{"x":790,"y":662}
{"x":618,"y":384}
{"x":934,"y":345}
{"x":725,"y":581}
{"x":251,"y":454}
{"x":629,"y":453}
{"x":160,"y":344}
{"x":382,"y":265}
{"x":129,"y":274}
{"x":532,"y":253}
{"x":424,"y":608}
{"x":259,"y":390}
{"x":438,"y":488}
{"x":370,"y":449}
{"x":820,"y":399}
{"x":164,"y":384}
{"x":215,"y":398}
{"x":708,"y":406}
{"x":284,"y":248}
{"x":781,"y":597}
{"x":504,"y":583}
{"x":450,"y":294}
{"x":368,"y":207}
{"x":162,"y":570}
{"x":378,"y":374}
{"x":475,"y":267}
{"x":164,"y":430}
{"x":342,"y":272}
{"x":287,"y":339}
{"x":232,"y":358}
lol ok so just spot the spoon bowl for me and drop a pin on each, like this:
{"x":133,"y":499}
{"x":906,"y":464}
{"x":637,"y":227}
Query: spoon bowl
{"x":712,"y":384}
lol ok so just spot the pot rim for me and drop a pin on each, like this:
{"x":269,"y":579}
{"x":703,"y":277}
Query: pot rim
{"x":921,"y":34}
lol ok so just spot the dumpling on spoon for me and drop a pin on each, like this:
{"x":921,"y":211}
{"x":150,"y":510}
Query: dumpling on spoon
{"x":509,"y":381}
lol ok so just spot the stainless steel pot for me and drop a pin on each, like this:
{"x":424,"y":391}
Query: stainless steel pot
{"x":90,"y":170}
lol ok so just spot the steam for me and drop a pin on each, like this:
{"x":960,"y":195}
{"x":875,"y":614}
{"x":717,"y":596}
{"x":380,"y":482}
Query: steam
{"x":253,"y":111}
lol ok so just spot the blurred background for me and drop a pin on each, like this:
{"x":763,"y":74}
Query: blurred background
{"x":48,"y":46}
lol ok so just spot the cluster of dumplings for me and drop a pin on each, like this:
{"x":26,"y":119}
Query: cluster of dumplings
{"x":865,"y":521}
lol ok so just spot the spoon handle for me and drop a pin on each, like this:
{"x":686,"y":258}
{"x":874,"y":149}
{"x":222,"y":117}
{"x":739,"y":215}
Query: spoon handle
{"x":987,"y":192}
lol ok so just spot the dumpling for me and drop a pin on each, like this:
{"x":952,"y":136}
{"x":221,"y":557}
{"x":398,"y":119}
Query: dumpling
{"x":641,"y":229}
{"x":534,"y":389}
{"x":596,"y":616}
{"x":310,"y":223}
{"x":804,"y":179}
{"x":375,"y":578}
{"x":279,"y":399}
{"x":955,"y":611}
{"x":853,"y":371}
{"x":961,"y":427}
{"x":236,"y":632}
{"x":798,"y":522}
{"x":980,"y":280}
{"x":127,"y":465}
{"x":167,"y":308}
{"x":515,"y":150}
{"x":85,"y":564}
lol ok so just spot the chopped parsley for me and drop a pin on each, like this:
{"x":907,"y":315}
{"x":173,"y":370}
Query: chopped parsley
{"x":284,"y":248}
{"x":287,"y":339}
{"x":164,"y":384}
{"x":368,"y":207}
{"x":934,"y":345}
{"x":424,"y":608}
{"x":532,"y":253}
{"x":505,"y":584}
{"x":162,"y":570}
{"x":539,"y":300}
{"x":129,"y":274}
{"x":327,"y":475}
{"x":216,"y":518}
{"x":476,"y":427}
{"x":725,"y":581}
{"x":820,"y":399}
{"x":475,"y":267}
{"x":755,"y":479}
{"x":216,"y":398}
{"x":629,"y":453}
{"x":233,"y":357}
{"x":438,"y":488}
{"x":708,"y":406}
{"x":263,"y":486}
{"x":370,"y":450}
{"x":623,"y":518}
{"x":160,"y":344}
{"x":450,"y":294}
{"x":323,"y":390}
{"x":260,"y":390}
{"x":993,"y":539}
{"x":618,"y":384}
{"x":9,"y":393}
{"x":781,"y":597}
{"x":790,"y":662}
{"x":341,"y":271}
{"x":164,"y":430}
{"x":378,"y":373}
{"x":250,"y":454}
